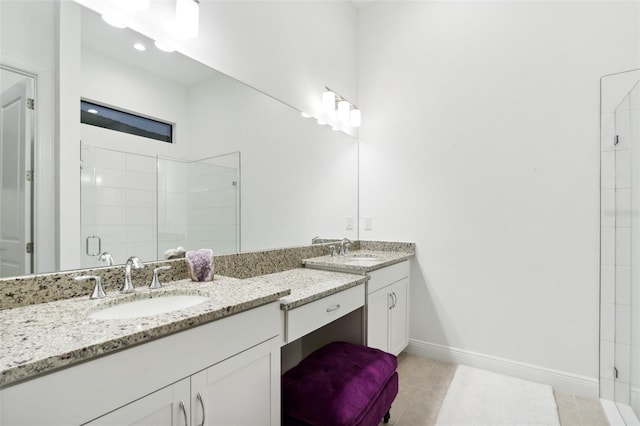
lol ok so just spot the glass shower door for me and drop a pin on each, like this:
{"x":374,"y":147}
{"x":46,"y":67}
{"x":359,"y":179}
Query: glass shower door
{"x":627,"y":252}
{"x":90,"y":242}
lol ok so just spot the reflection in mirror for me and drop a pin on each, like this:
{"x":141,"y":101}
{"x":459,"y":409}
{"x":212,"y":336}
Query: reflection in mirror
{"x":16,"y":132}
{"x":155,"y":207}
{"x":298,"y":179}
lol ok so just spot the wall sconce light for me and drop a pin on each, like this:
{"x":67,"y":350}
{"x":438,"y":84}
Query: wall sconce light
{"x":338,"y":111}
{"x":188,"y":17}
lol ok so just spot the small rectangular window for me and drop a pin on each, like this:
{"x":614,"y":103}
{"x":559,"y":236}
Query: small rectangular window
{"x":126,"y":122}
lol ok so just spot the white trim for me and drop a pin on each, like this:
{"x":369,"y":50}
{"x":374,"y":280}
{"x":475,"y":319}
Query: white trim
{"x":611,"y":411}
{"x":560,"y":380}
{"x":628,"y":415}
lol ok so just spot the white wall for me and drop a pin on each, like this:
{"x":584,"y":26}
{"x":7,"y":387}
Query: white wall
{"x":298,"y":179}
{"x":484,"y":117}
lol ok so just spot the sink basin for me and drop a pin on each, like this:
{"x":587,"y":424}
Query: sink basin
{"x":147,"y":307}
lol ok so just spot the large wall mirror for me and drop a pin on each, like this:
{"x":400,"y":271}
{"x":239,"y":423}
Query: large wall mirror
{"x":245,"y":171}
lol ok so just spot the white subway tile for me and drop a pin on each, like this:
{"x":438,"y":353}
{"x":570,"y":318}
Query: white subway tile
{"x":623,"y":285}
{"x":623,"y":169}
{"x":608,"y":170}
{"x":623,"y":324}
{"x":608,"y":208}
{"x":623,"y":246}
{"x":607,"y":359}
{"x":608,"y":283}
{"x":607,"y":321}
{"x":608,"y":246}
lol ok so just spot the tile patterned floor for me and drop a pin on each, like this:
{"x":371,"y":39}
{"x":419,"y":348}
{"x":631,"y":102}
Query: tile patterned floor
{"x":424,"y":383}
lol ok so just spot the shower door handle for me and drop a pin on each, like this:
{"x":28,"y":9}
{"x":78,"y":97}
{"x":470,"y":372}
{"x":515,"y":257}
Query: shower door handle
{"x":87,"y":249}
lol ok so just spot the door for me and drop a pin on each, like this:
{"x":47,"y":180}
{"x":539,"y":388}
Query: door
{"x":399,"y":322}
{"x":242,"y":390}
{"x":166,"y":407}
{"x":378,"y":306}
{"x":15,"y":187}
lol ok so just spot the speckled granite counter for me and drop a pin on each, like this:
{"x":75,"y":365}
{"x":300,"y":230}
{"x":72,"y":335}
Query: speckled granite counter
{"x":44,"y":337}
{"x":358,"y":262}
{"x":308,"y":285}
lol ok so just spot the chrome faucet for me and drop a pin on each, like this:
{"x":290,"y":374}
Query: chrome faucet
{"x":105,"y":256}
{"x":127,"y":287}
{"x":98,"y":292}
{"x":155,"y":282}
{"x":344,"y":246}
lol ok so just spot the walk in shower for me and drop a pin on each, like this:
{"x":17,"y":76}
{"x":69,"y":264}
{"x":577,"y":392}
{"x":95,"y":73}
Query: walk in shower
{"x":145,"y":206}
{"x":620,"y":243}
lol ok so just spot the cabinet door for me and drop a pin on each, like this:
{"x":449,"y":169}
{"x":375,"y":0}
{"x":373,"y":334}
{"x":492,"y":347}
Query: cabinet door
{"x":378,"y":305}
{"x":399,"y":318}
{"x":242,"y":390}
{"x":166,"y":407}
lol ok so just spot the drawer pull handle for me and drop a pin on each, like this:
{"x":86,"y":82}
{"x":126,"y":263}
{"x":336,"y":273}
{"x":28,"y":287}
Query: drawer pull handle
{"x":184,"y":412}
{"x":333,"y":308}
{"x":199,"y":398}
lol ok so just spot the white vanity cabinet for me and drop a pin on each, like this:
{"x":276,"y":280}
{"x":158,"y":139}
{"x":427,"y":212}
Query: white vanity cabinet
{"x":218,"y":395}
{"x":168,"y":406}
{"x":388,"y":308}
{"x":232,"y":363}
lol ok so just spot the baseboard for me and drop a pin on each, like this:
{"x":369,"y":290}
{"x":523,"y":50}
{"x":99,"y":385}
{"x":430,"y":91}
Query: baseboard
{"x":561,"y":381}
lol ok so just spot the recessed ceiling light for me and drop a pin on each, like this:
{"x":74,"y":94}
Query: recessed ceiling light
{"x":92,"y":111}
{"x":164,"y":46}
{"x":305,"y":115}
{"x":114,"y":21}
{"x":140,"y":47}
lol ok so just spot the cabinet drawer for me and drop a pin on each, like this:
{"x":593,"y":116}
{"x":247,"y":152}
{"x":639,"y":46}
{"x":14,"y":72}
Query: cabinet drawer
{"x":388,"y":275}
{"x":309,"y":317}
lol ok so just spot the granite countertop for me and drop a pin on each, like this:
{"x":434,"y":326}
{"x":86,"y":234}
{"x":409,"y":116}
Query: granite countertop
{"x":41,"y":338}
{"x":308,"y":285}
{"x":358,"y":262}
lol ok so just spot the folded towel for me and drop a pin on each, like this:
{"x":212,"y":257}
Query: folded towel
{"x":176,"y":253}
{"x":200,"y":264}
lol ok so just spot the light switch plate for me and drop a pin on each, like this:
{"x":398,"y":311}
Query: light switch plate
{"x":368,"y":223}
{"x":349,"y":223}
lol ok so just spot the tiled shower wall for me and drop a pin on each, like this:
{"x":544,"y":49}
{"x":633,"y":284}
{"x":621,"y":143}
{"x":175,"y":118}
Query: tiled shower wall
{"x":119,"y":204}
{"x":620,"y":242}
{"x":139,"y":205}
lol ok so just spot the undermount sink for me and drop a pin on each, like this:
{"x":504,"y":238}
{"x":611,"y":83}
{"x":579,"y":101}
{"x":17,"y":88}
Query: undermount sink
{"x":147,"y":307}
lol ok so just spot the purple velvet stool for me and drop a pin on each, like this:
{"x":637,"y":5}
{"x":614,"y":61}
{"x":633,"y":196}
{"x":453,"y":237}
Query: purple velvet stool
{"x":340,"y":384}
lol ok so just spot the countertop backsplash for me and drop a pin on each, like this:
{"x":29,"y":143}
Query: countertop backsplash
{"x":41,"y":288}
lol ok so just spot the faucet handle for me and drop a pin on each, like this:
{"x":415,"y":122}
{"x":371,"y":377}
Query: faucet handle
{"x":98,"y":292}
{"x":155,"y":282}
{"x":346,"y":248}
{"x":333,"y":250}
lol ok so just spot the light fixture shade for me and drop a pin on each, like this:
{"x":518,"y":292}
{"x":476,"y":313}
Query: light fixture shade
{"x":328,"y":102}
{"x":355,"y":119}
{"x":164,"y":46}
{"x":188,"y":17}
{"x":343,"y":111}
{"x":114,"y":21}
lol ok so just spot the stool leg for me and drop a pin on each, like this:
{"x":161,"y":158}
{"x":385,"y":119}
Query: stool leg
{"x":387,"y":416}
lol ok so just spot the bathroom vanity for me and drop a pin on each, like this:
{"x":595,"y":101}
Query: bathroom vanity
{"x":209,"y":361}
{"x":387,"y":293}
